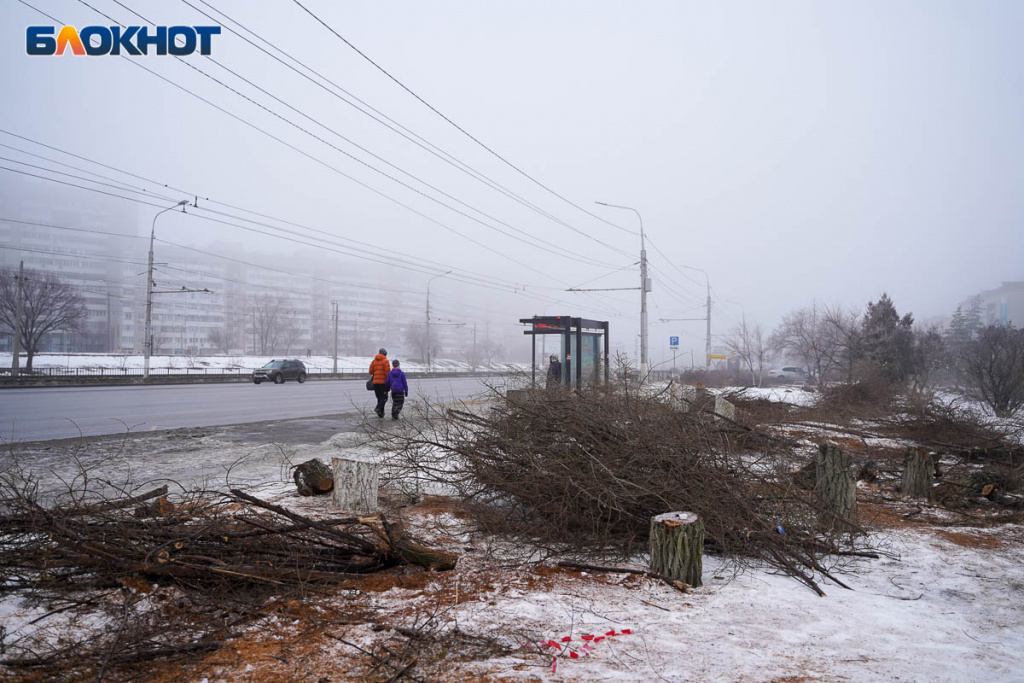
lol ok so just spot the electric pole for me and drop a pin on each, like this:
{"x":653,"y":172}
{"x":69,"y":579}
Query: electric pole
{"x":644,"y":288}
{"x":643,"y":305}
{"x":335,"y":336}
{"x":707,"y":341}
{"x":16,"y":358}
{"x":148,"y":342}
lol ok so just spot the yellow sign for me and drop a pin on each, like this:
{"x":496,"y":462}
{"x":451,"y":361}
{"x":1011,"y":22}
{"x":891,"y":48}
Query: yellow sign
{"x":712,"y":356}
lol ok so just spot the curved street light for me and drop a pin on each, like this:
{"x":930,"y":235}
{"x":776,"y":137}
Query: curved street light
{"x":148,"y":342}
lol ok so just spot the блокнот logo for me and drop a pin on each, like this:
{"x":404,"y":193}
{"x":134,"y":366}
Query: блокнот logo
{"x":115,"y":40}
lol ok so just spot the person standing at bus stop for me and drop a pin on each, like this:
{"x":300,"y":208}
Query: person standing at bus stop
{"x":554,"y":373}
{"x":379,"y":370}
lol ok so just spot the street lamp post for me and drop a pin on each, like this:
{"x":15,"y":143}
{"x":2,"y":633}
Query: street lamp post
{"x":643,"y":291}
{"x":707,"y":318}
{"x":148,"y":342}
{"x":428,"y":315}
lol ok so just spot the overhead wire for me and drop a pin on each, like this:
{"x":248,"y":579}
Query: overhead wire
{"x":369,"y":248}
{"x":302,"y":152}
{"x":246,"y":123}
{"x":453,"y":124}
{"x":387,"y":121}
{"x":526,"y":237}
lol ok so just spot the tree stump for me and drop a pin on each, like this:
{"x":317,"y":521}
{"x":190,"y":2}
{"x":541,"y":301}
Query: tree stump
{"x":313,"y":478}
{"x":355,"y":484}
{"x":677,"y":546}
{"x":918,"y":471}
{"x":724,"y":409}
{"x":836,"y":486}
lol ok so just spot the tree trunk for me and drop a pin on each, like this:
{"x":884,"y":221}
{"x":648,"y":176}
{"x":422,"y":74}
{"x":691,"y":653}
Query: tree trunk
{"x":918,"y":469}
{"x":677,"y":546}
{"x":355,"y":485}
{"x":313,"y":478}
{"x":836,"y":485}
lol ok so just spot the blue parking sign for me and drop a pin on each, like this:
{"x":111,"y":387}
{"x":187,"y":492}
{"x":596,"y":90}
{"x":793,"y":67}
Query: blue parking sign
{"x":673,"y":342}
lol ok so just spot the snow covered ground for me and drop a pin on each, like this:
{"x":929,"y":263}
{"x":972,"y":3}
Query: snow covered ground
{"x":944,"y":603}
{"x":941,"y":612}
{"x":797,"y":395}
{"x":937,"y":610}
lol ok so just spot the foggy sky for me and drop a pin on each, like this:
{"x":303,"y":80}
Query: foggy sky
{"x":795,"y":151}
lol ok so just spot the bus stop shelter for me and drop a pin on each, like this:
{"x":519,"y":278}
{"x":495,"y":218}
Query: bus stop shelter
{"x":583,"y":347}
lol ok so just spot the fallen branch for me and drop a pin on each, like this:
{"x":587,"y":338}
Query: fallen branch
{"x":678,"y":585}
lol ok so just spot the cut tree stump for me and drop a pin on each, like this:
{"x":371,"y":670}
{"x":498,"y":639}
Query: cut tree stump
{"x":724,"y":409}
{"x":918,"y":473}
{"x":836,"y":486}
{"x":677,"y":546}
{"x":355,"y":484}
{"x":313,"y":478}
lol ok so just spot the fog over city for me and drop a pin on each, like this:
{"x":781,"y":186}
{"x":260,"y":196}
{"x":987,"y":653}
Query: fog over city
{"x":778,"y":154}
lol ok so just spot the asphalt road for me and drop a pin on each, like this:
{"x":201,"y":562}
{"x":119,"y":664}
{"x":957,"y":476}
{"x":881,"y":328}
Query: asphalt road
{"x":67,"y":412}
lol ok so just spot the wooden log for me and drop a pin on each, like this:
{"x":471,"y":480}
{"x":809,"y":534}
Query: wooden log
{"x":677,"y":546}
{"x":918,"y":470}
{"x":313,"y":478}
{"x":355,"y":484}
{"x":869,"y":472}
{"x":411,"y":552}
{"x":836,"y":486}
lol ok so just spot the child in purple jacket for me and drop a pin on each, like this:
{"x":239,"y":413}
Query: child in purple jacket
{"x":399,"y":387}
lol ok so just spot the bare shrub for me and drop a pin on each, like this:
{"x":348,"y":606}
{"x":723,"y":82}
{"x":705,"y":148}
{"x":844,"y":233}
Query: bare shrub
{"x":584,"y":472}
{"x":870,"y":396}
{"x":992,"y":368}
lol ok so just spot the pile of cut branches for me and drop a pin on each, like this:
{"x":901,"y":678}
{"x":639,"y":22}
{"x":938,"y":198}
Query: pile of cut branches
{"x":131,"y":578}
{"x":584,"y":472}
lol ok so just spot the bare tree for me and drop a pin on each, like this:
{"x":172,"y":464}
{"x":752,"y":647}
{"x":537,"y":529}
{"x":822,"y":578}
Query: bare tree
{"x":749,"y":344}
{"x":416,"y":337}
{"x":805,"y":334}
{"x":842,"y":328}
{"x":221,"y":339}
{"x":272,"y":325}
{"x":992,"y":368}
{"x":472,"y":355}
{"x":289,"y":333}
{"x":930,"y":358}
{"x":489,"y":349}
{"x":48,"y":304}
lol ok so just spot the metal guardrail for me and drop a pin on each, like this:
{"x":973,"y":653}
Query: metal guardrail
{"x":187,"y":372}
{"x":64,"y":377}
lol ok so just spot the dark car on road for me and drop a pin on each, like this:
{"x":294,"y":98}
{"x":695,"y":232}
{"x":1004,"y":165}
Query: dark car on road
{"x":277,"y":371}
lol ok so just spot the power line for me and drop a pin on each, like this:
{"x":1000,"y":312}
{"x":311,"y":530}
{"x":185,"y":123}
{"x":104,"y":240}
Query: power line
{"x":341,"y":151}
{"x":290,"y":146}
{"x":425,"y":144}
{"x":457,"y":126}
{"x":370,"y":249}
{"x":380,"y":158}
{"x":475,"y":280}
{"x":240,"y":261}
{"x":247,"y":123}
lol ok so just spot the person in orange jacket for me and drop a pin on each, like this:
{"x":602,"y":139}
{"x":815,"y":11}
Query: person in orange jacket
{"x":380,"y":367}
